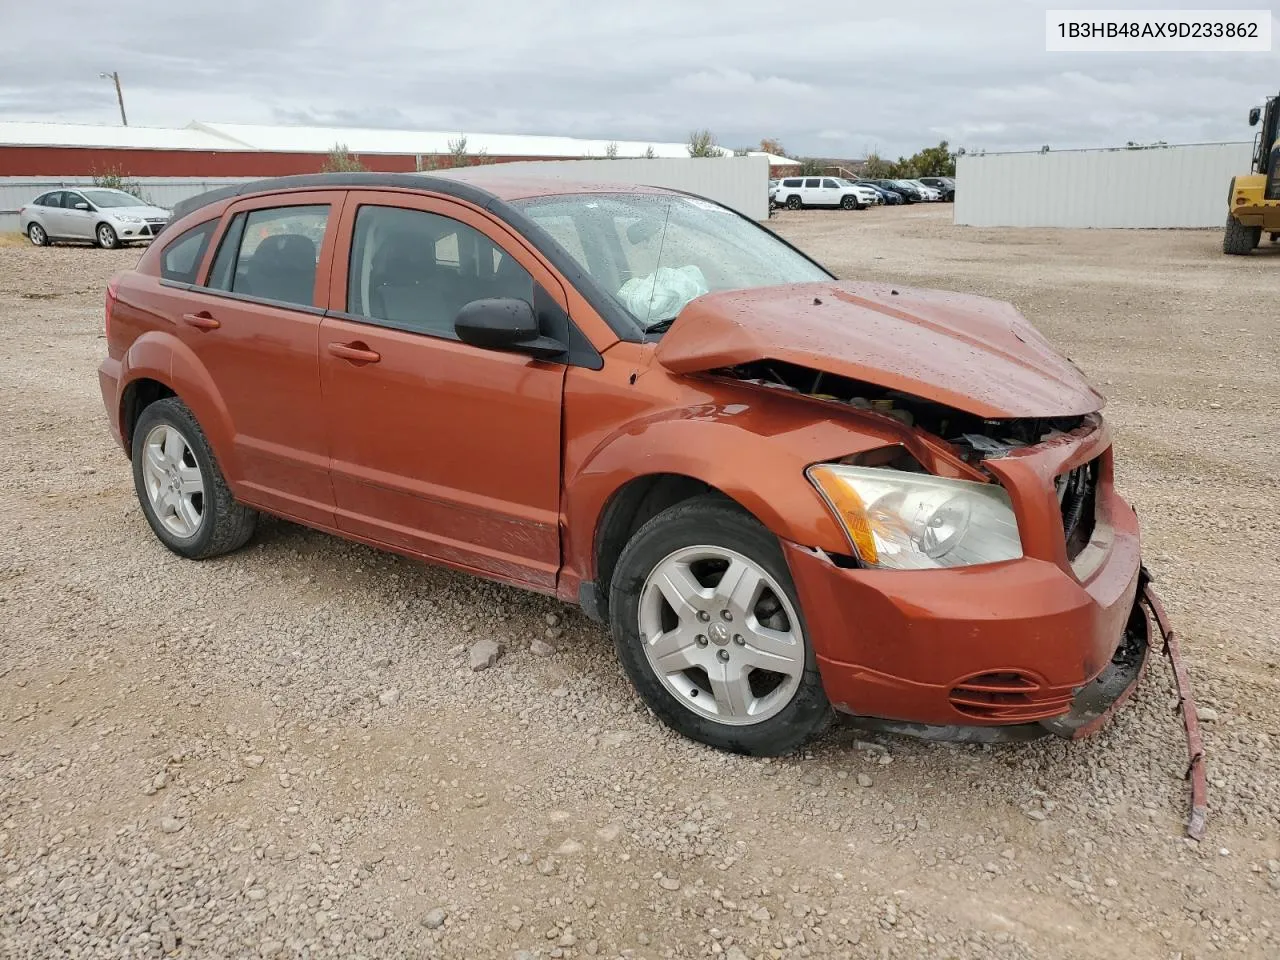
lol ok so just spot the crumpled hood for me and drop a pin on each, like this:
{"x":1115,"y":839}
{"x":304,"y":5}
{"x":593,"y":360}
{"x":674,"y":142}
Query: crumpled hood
{"x":970,"y":353}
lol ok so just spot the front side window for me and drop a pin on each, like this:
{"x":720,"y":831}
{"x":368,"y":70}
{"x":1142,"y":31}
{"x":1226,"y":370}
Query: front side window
{"x":654,"y":252}
{"x":182,"y":257}
{"x":415,"y":270}
{"x":831,"y":184}
{"x":275,"y":254}
{"x":69,"y":200}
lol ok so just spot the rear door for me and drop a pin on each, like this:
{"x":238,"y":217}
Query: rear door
{"x":253,"y":322}
{"x":811,"y":192}
{"x":52,"y":214}
{"x":438,"y":447}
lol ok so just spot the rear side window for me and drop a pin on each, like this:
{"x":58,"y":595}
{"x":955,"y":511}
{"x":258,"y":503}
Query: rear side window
{"x":812,"y":182}
{"x":791,"y":183}
{"x":271,"y":254}
{"x":415,"y":270}
{"x":47,"y":200}
{"x":181,"y":258}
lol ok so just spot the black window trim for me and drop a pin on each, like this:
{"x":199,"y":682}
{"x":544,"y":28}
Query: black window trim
{"x":228,"y":231}
{"x":244,"y":297}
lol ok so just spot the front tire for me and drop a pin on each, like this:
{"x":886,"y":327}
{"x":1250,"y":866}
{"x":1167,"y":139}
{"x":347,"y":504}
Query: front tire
{"x":1237,"y":239}
{"x":708,"y":628}
{"x":850,"y":203}
{"x":37,"y":235}
{"x":106,"y":237}
{"x":180,"y":486}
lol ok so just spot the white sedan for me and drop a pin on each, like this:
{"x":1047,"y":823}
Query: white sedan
{"x":99,"y":215}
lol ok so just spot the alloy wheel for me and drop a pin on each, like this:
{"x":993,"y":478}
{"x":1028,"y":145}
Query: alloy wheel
{"x":36,"y":234}
{"x":721,"y":635}
{"x":173,"y":481}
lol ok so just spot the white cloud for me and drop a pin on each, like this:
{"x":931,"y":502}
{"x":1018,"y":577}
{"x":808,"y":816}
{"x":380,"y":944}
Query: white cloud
{"x":833,"y":82}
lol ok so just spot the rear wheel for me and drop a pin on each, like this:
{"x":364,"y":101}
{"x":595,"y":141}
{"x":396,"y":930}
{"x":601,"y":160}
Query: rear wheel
{"x":707,"y":625}
{"x":793,"y":203}
{"x":181,"y":488}
{"x":106,"y":237}
{"x":36,"y":234}
{"x":1237,"y":239}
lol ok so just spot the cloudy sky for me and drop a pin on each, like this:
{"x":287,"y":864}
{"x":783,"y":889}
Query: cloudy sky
{"x":826,"y":79}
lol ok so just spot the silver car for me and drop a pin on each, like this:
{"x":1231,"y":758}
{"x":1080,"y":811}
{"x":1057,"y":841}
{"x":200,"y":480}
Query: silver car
{"x":99,"y":215}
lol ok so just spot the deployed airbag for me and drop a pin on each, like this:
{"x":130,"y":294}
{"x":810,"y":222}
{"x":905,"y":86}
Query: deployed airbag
{"x":663,"y":293}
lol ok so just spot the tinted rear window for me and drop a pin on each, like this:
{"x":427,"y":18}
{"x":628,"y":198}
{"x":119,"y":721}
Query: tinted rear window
{"x":182,"y":257}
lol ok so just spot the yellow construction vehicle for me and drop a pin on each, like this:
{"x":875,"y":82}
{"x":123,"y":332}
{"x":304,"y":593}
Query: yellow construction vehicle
{"x":1254,"y":201}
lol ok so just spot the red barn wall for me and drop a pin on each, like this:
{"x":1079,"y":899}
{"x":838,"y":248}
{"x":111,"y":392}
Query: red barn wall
{"x":18,"y":161}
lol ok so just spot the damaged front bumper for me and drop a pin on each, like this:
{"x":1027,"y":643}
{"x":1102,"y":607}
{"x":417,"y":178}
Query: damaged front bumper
{"x":1096,"y":702}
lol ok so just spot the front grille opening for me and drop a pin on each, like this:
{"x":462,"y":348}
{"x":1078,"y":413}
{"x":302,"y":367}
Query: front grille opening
{"x":1078,"y":500}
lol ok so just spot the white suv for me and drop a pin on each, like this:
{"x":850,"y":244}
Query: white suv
{"x":796,"y":192}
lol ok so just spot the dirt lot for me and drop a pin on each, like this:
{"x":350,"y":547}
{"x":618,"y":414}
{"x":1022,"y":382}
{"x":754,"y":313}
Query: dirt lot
{"x":283,"y":752}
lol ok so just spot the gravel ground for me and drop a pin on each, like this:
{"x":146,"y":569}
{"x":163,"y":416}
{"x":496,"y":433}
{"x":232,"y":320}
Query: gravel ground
{"x":285,"y":753}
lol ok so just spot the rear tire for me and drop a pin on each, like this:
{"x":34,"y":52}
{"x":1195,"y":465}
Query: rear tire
{"x":201,"y":528}
{"x":105,"y":237}
{"x":793,"y":203}
{"x":749,"y":707}
{"x":37,"y":235}
{"x":1237,"y":239}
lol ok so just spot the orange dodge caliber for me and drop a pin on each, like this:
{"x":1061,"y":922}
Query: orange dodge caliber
{"x":786,"y":494}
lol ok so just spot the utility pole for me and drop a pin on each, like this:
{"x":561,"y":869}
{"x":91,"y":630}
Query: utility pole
{"x":115,"y":77}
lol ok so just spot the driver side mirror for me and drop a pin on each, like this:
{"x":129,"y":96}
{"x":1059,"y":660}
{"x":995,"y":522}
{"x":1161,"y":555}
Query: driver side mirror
{"x":82,"y":205}
{"x":1254,"y":116}
{"x":505,"y":324}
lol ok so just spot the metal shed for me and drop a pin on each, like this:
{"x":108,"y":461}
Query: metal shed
{"x":1183,"y":185}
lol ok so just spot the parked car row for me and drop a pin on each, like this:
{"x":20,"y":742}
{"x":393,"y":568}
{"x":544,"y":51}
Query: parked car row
{"x":106,"y":217}
{"x":795,"y":193}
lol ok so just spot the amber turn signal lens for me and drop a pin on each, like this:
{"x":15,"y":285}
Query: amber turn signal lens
{"x":848,"y":506}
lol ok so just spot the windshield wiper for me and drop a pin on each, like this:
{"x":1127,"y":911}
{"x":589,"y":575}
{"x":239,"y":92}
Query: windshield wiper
{"x":660,"y":326}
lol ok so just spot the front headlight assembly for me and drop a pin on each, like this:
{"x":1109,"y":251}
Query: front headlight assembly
{"x":912,"y":521}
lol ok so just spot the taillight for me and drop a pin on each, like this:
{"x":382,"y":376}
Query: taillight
{"x":112,"y":285}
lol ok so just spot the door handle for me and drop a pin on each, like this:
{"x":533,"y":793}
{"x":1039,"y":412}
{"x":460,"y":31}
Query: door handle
{"x":355,"y":352}
{"x":201,"y":321}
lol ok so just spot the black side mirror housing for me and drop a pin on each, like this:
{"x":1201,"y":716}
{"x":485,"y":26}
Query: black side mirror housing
{"x":505,"y":324}
{"x":1254,"y":116}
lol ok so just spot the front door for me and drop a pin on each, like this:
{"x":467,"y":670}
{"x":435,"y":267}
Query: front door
{"x":253,"y":323}
{"x":440,"y":448}
{"x":78,"y":224}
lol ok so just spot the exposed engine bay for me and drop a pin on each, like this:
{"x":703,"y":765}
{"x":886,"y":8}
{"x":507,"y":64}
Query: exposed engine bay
{"x":974,"y":438}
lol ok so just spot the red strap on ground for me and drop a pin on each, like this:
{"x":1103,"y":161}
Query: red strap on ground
{"x":1187,"y":704}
